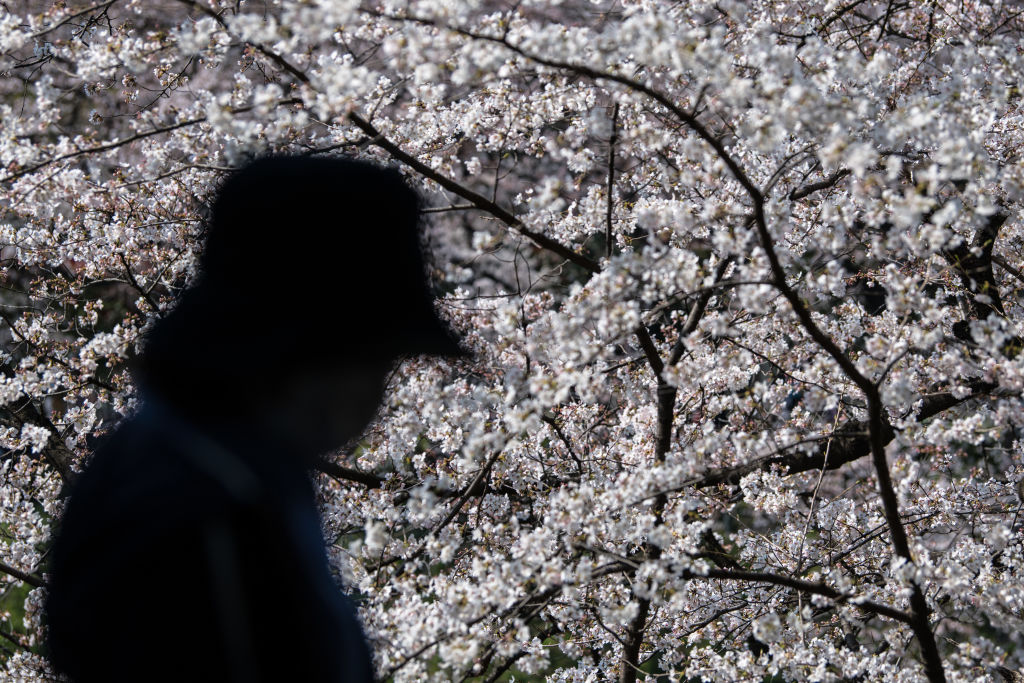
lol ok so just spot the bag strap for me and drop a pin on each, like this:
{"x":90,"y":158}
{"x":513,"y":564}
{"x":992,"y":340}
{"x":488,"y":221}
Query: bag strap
{"x":233,"y":474}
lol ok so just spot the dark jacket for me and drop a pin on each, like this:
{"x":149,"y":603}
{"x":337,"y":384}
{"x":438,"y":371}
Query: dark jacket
{"x":187,"y":555}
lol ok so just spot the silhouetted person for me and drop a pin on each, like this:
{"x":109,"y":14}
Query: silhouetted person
{"x":191,"y":547}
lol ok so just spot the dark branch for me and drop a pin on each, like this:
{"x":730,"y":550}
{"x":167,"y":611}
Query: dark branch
{"x":611,"y":180}
{"x":370,"y":481}
{"x":27,"y":577}
{"x":803,"y":586}
{"x":472,"y":197}
{"x":849,"y":442}
{"x":801,"y":192}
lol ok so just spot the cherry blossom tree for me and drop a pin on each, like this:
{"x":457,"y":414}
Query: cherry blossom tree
{"x":742,"y":281}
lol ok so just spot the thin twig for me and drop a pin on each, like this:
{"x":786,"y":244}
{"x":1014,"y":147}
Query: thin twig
{"x":611,"y":180}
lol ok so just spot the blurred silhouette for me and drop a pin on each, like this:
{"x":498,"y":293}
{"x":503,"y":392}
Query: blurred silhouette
{"x":191,"y":547}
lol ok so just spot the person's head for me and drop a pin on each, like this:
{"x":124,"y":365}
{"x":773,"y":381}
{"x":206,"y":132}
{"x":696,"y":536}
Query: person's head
{"x":312,"y":265}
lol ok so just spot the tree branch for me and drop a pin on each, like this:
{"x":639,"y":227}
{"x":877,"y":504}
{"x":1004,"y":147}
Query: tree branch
{"x":370,"y":481}
{"x":849,"y":443}
{"x":27,"y":577}
{"x":106,"y":147}
{"x":801,"y":192}
{"x":611,"y":180}
{"x":973,"y":264}
{"x":804,"y":586}
{"x":472,"y":197}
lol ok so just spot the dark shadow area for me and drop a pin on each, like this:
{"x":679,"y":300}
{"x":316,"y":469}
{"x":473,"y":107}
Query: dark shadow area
{"x":191,"y":547}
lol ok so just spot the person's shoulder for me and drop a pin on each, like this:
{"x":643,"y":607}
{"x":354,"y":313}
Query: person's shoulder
{"x":134,"y":449}
{"x":142,"y":473}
